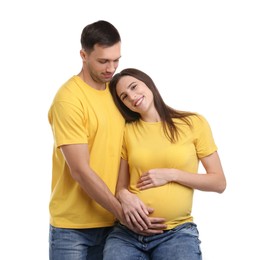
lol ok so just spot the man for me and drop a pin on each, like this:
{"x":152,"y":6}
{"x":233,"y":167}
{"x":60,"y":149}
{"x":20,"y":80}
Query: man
{"x":88,"y":132}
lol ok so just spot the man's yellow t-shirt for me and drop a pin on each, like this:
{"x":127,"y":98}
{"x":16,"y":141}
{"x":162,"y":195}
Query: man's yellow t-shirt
{"x":81,"y":114}
{"x":146,"y":147}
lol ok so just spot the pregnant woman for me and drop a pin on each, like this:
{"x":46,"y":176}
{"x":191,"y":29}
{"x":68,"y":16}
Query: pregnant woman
{"x":161,"y":152}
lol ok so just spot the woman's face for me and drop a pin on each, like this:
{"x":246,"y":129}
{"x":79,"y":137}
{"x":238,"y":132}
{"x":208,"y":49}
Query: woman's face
{"x":135,"y":95}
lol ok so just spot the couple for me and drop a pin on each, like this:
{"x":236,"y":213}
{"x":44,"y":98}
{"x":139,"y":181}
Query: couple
{"x":148,"y":192}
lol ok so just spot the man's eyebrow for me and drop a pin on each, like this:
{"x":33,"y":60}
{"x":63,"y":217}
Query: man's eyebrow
{"x":105,"y":59}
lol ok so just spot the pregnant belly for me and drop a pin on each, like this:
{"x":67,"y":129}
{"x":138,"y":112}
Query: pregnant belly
{"x":171,"y":201}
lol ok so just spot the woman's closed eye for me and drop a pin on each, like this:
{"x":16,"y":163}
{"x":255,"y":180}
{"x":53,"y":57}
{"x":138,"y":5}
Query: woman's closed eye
{"x":123,"y":97}
{"x":133,"y":87}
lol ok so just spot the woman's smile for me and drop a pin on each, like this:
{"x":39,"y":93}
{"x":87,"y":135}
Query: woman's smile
{"x":138,"y":101}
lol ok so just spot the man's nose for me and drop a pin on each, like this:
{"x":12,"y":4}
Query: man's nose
{"x":111,"y":67}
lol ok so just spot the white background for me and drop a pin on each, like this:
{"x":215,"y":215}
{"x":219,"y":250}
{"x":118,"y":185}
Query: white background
{"x":203,"y":56}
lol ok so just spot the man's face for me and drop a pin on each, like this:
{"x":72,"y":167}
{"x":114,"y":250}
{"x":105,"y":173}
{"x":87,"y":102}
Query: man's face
{"x":102,"y":62}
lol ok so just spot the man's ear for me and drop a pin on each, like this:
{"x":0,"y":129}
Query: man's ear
{"x":83,"y":54}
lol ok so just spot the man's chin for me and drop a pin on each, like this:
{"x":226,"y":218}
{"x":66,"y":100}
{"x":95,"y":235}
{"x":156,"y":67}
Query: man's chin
{"x":108,"y":78}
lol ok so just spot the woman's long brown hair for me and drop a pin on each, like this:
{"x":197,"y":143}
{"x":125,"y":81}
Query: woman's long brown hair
{"x":166,"y":113}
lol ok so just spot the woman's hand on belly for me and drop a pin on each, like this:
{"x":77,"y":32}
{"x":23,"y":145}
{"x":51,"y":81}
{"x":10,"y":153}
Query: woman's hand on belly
{"x":155,"y":178}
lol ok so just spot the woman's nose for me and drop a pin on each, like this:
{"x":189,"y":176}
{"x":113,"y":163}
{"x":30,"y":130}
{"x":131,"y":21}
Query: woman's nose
{"x":131,"y":96}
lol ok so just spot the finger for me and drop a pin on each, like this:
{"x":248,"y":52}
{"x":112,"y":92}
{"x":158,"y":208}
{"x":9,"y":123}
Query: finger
{"x":127,"y":218}
{"x":136,"y":225}
{"x":158,"y":226}
{"x":144,"y":175}
{"x":141,"y":221}
{"x":157,"y":223}
{"x":145,"y":210}
{"x":143,"y":179}
{"x":145,"y":217}
{"x":150,"y":210}
{"x":146,"y":186}
{"x":157,"y":220}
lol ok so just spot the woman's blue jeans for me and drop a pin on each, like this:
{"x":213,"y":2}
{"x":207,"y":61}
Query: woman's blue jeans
{"x":180,"y":243}
{"x":77,"y":244}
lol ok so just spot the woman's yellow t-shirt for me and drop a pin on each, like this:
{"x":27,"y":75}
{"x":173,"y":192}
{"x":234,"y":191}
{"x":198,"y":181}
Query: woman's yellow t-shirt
{"x":146,"y":147}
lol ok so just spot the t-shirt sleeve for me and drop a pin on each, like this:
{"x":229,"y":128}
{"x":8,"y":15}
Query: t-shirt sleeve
{"x":203,"y":138}
{"x":68,"y":124}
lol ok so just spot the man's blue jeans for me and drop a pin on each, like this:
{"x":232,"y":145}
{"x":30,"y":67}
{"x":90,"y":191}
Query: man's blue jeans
{"x":180,"y":243}
{"x":77,"y":244}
